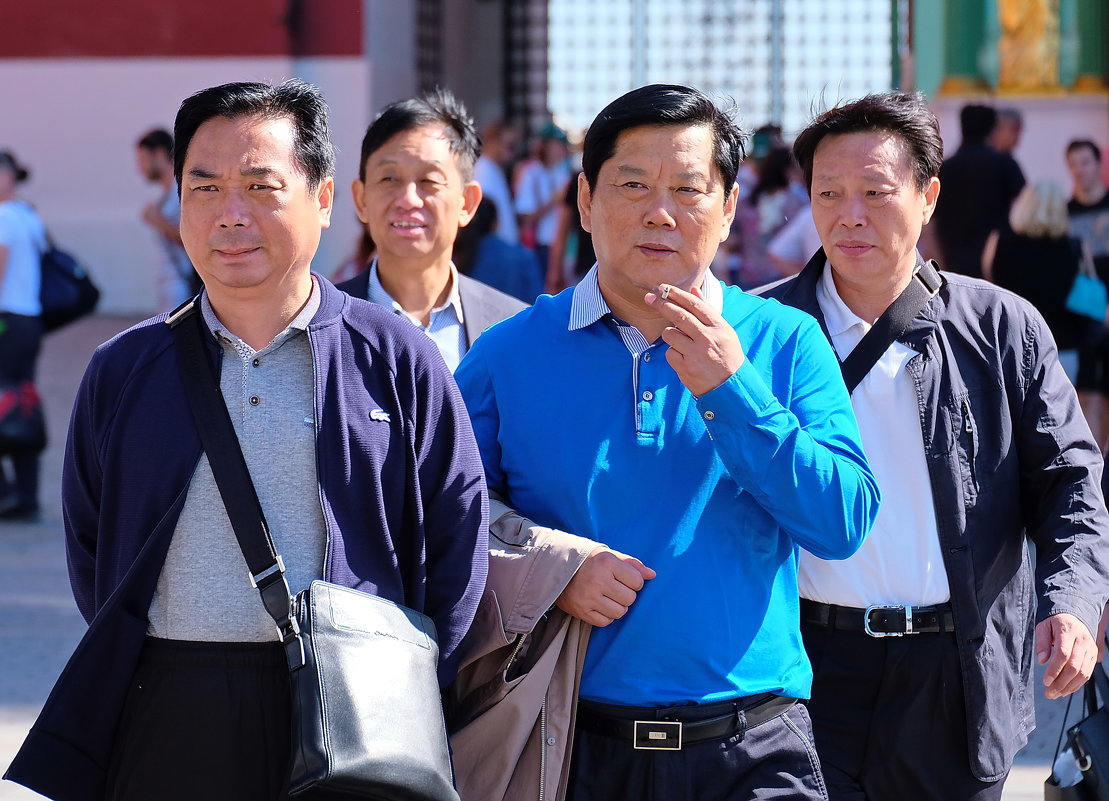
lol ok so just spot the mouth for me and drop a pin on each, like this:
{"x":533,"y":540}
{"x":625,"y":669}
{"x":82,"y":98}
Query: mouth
{"x":853,"y":246}
{"x":237,"y":251}
{"x":407,"y":225}
{"x":655,"y":249}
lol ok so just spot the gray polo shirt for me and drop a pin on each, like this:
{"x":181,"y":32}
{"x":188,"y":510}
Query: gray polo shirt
{"x":204,"y":591}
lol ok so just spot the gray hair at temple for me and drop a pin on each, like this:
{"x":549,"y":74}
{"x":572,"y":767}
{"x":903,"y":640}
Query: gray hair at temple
{"x":903,"y":114}
{"x":299,"y":102}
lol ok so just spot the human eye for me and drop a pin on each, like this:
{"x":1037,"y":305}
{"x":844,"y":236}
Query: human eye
{"x":633,"y":185}
{"x":203,"y":188}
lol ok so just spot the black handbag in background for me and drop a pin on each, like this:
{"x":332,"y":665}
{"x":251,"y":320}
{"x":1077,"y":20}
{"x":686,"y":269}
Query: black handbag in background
{"x":67,"y":291}
{"x":1088,"y":740}
{"x":367,"y":719}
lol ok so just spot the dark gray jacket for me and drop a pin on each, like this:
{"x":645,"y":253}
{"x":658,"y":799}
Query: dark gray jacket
{"x":1008,"y":453}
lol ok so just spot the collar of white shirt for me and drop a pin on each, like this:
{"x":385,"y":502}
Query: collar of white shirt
{"x":838,"y":316}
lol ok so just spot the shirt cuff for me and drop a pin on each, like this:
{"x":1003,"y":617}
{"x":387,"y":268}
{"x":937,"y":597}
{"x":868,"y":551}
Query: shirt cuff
{"x":744,"y":398}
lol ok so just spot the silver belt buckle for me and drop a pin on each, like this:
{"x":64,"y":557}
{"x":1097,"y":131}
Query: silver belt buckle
{"x":657,"y":735}
{"x":908,"y":610}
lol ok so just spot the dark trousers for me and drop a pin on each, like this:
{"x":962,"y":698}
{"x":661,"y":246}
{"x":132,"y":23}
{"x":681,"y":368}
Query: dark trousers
{"x":204,"y":721}
{"x":20,"y":340}
{"x":775,"y":759}
{"x":889,"y":718}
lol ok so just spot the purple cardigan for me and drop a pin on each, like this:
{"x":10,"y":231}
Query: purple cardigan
{"x":403,"y":500}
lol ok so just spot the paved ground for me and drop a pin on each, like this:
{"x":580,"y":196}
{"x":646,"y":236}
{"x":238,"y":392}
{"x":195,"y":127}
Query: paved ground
{"x":37,"y":610}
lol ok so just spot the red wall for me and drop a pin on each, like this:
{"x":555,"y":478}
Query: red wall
{"x":180,"y":28}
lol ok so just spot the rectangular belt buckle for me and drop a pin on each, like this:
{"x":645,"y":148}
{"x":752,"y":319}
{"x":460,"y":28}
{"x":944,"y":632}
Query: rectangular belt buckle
{"x":908,"y":610}
{"x":658,"y":735}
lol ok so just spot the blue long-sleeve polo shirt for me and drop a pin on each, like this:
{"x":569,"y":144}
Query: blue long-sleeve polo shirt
{"x":715,"y":493}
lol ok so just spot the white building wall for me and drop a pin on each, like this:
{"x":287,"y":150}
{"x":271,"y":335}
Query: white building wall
{"x":1050,"y":123}
{"x":74,"y":123}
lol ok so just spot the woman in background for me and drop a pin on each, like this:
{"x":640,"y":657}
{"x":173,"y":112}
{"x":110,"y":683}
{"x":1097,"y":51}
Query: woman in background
{"x":773,"y":201}
{"x":1038,"y":261}
{"x":22,"y":241}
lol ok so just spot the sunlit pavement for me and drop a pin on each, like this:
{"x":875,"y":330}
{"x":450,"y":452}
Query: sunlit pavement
{"x":40,"y":625}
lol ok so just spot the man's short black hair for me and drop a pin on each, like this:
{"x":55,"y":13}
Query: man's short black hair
{"x":664,"y":104}
{"x":1078,"y":144}
{"x":299,"y":102}
{"x":439,"y":107}
{"x":903,"y":114}
{"x":157,"y":139}
{"x":977,"y":122}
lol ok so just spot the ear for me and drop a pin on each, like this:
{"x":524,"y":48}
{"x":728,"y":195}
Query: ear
{"x":357,"y":190}
{"x":931,"y":195}
{"x":326,"y":197}
{"x":729,"y":211}
{"x":585,"y":203}
{"x":471,"y":199}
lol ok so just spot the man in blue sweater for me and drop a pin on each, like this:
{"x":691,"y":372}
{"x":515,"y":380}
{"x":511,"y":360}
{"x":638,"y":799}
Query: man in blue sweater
{"x":357,"y":442}
{"x":698,"y":437}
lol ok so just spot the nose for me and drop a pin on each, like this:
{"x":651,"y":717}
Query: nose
{"x":233,"y":213}
{"x":853,"y":213}
{"x":409,"y":197}
{"x":660,"y":211}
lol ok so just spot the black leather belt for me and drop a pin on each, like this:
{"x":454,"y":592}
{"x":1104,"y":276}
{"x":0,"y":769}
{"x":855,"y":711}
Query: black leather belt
{"x":880,"y":620}
{"x":671,"y":728}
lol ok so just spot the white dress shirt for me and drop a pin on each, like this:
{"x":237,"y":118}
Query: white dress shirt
{"x":901,"y":560}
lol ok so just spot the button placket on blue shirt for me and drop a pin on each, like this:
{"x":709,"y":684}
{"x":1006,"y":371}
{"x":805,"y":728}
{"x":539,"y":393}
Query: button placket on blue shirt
{"x":652,"y":377}
{"x":648,"y":388}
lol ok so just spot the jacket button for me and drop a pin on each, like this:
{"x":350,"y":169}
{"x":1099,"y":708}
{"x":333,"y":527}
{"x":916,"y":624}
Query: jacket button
{"x":255,"y":400}
{"x":709,"y":415}
{"x":551,"y":741}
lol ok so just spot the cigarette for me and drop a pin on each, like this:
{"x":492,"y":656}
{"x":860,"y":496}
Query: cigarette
{"x":665,"y":292}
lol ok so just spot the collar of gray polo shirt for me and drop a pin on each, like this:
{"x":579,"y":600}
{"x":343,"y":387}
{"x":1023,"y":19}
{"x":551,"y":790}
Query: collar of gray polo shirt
{"x":894,"y":322}
{"x":217,"y":434}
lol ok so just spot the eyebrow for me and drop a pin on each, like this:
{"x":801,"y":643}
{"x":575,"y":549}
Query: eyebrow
{"x":690,"y":176}
{"x":872,"y":178}
{"x":251,"y":172}
{"x":389,"y":161}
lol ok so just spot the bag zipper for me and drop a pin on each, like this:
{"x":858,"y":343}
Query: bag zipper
{"x":520,"y":639}
{"x":543,"y":746}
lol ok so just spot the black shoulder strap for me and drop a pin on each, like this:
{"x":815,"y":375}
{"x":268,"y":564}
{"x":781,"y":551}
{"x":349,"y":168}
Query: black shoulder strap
{"x":1097,"y":684}
{"x":892,"y":324}
{"x":217,"y":433}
